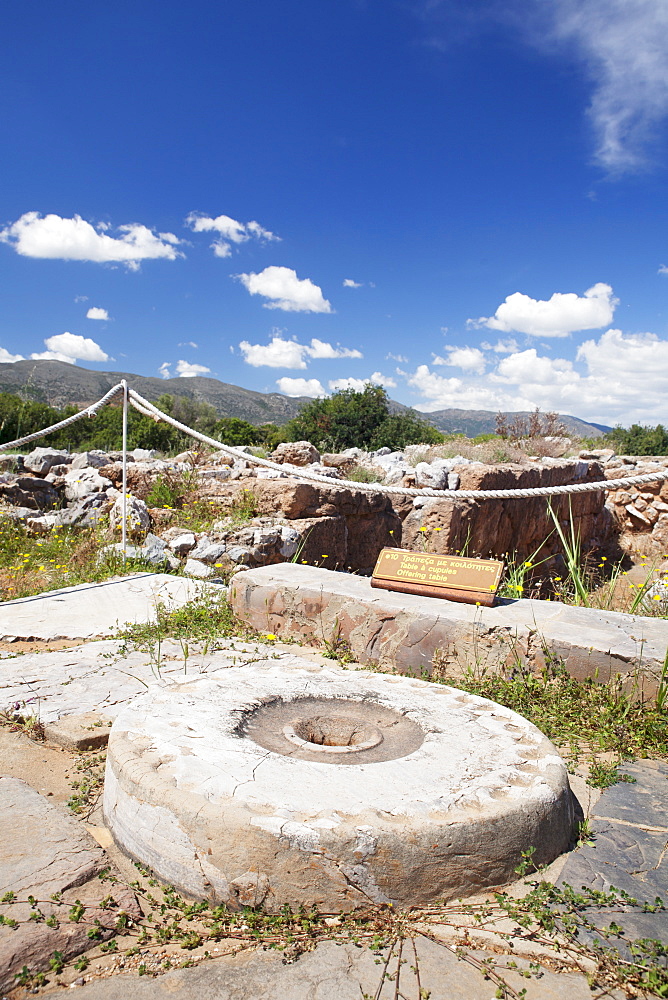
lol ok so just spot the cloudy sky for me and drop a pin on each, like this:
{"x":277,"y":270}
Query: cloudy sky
{"x":465,"y":203}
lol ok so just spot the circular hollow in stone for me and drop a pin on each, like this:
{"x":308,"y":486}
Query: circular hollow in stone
{"x":333,"y":734}
{"x":204,"y":786}
{"x":314,"y":729}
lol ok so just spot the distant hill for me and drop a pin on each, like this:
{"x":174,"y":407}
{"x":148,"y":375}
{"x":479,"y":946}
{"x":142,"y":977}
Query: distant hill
{"x":473,"y":422}
{"x":58,"y":383}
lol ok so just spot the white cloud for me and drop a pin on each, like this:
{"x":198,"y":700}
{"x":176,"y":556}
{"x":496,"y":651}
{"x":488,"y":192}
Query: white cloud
{"x":508,"y":346}
{"x":280,"y":353}
{"x":358,"y":384}
{"x":230,"y":231}
{"x":396,"y":357}
{"x":8,"y":359}
{"x":615,"y":379}
{"x":286,"y":290}
{"x":624,"y":44}
{"x":55,"y":238}
{"x":70,"y":346}
{"x":188,"y":343}
{"x":81,"y":298}
{"x":321,"y":349}
{"x":301,"y":387}
{"x":469,"y":359}
{"x":164,"y":369}
{"x":96,"y":313}
{"x":53,"y":356}
{"x":528,"y":368}
{"x":186,"y":370}
{"x":663,"y":269}
{"x":349,"y":283}
{"x":560,"y":315}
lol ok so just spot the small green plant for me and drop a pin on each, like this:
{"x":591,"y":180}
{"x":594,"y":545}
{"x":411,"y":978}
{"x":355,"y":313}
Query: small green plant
{"x":603,"y":775}
{"x":360,"y":474}
{"x":86,"y":790}
{"x":208,"y":617}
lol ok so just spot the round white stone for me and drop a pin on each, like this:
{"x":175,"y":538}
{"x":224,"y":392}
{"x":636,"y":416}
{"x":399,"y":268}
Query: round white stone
{"x":191,"y":794}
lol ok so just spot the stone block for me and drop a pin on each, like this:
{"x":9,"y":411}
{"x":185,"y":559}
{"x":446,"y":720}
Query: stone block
{"x":403,"y":631}
{"x":87,"y":731}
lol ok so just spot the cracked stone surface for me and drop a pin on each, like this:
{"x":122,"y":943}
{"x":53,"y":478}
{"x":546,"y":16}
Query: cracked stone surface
{"x":191,"y":794}
{"x":95,"y":609}
{"x":403,"y":630}
{"x":331,"y":972}
{"x":44,"y":850}
{"x":101,"y":677}
{"x":629,"y":850}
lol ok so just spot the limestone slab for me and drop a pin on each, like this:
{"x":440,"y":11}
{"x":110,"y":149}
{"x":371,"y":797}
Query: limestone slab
{"x":404,"y":631}
{"x":44,"y":851}
{"x":405,"y":823}
{"x":628,"y":850}
{"x":102,"y":676}
{"x":331,"y":972}
{"x":94,"y":609}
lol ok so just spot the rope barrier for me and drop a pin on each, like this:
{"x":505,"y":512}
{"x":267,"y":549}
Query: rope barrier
{"x":88,"y":411}
{"x":544,"y":491}
{"x":147,"y":408}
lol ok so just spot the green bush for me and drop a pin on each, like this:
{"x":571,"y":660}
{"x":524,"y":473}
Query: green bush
{"x":639,"y":440}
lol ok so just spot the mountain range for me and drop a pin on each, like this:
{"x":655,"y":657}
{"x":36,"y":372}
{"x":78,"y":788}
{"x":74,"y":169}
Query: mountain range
{"x":58,"y":384}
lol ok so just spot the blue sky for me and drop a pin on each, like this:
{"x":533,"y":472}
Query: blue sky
{"x":463,"y":202}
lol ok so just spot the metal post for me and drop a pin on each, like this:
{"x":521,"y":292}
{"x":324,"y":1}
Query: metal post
{"x":124,"y":537}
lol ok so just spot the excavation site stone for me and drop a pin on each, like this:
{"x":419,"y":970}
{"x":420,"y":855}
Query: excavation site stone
{"x":44,"y":851}
{"x":405,"y":632}
{"x":294,"y":783}
{"x":95,"y":609}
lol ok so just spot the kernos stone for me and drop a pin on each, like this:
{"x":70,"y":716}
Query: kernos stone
{"x":137,"y":517}
{"x":40,"y":460}
{"x":376,"y":788}
{"x":296,"y":453}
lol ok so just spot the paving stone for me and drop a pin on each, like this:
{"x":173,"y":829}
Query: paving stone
{"x":95,"y":609}
{"x":629,"y":851}
{"x":644,"y":802}
{"x":103,"y":676}
{"x":44,"y":850}
{"x":329,"y":972}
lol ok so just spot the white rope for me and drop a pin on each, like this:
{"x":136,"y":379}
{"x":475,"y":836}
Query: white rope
{"x":89,"y":411}
{"x":144,"y":406}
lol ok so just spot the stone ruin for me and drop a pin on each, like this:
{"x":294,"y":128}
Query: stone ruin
{"x":339,"y":528}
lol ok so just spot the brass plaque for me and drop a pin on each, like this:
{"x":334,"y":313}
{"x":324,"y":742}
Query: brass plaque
{"x":425,"y":572}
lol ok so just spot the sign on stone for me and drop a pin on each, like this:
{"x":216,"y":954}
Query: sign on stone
{"x":456,"y":578}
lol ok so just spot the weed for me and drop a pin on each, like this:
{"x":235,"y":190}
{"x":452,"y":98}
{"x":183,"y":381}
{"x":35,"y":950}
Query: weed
{"x":62,"y":558}
{"x":87,"y":786}
{"x":603,"y":775}
{"x":360,"y":474}
{"x":584,"y":715}
{"x":208,"y":617}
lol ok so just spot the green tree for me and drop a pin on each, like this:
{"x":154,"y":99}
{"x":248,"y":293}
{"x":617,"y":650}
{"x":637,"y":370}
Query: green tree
{"x":349,"y":419}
